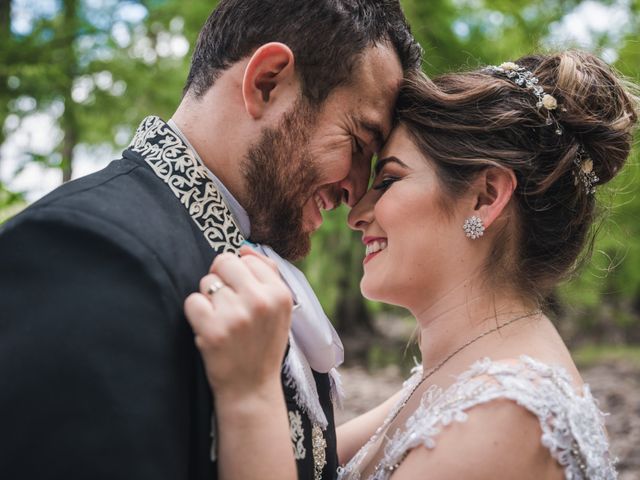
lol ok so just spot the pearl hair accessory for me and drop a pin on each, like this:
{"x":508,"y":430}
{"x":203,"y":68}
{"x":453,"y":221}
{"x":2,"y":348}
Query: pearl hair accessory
{"x":583,"y":172}
{"x":524,"y":78}
{"x":473,"y":227}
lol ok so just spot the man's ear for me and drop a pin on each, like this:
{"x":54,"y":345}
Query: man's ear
{"x":493,"y":189}
{"x":269,"y":72}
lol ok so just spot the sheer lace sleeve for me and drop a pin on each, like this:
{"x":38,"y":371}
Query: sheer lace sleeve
{"x":572,"y":425}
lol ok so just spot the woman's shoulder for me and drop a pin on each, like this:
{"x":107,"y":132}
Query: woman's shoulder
{"x":512,"y":402}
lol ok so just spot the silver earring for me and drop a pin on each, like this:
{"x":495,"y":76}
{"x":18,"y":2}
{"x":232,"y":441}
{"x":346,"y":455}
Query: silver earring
{"x":473,"y":227}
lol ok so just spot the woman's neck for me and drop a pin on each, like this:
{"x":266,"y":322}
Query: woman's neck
{"x":462,"y":315}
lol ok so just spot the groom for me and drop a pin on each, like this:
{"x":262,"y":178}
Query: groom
{"x":285,"y":104}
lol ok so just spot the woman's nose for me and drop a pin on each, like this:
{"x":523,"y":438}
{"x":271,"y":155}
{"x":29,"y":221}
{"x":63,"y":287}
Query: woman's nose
{"x":361,"y":214}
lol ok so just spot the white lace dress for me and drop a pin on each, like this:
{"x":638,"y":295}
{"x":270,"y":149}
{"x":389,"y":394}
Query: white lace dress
{"x":572,"y":425}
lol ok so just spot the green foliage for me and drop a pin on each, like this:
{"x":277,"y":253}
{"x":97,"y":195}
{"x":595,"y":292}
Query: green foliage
{"x":97,"y":72}
{"x":597,"y":354}
{"x":127,"y":76}
{"x":10,"y":203}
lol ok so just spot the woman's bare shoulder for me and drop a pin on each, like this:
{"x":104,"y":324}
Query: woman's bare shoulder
{"x":498,"y":440}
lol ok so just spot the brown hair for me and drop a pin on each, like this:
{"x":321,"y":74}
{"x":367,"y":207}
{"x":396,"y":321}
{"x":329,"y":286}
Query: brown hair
{"x":326,"y":36}
{"x":466,"y":122}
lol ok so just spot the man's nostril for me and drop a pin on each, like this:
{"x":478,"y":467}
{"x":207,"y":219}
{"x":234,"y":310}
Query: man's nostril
{"x":345,"y":196}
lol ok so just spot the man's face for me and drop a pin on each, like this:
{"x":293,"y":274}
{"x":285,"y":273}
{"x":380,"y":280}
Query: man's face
{"x":318,"y":157}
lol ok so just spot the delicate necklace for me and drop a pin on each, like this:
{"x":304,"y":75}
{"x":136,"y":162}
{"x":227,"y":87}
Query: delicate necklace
{"x":391,"y":468}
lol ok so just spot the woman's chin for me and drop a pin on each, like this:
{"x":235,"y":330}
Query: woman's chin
{"x":371,"y":292}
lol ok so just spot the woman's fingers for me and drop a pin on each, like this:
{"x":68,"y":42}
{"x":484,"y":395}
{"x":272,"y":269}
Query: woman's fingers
{"x":249,"y":252}
{"x":200,"y":314}
{"x":263,"y":272}
{"x":241,"y":318}
{"x":260,"y":288}
{"x":233,"y":272}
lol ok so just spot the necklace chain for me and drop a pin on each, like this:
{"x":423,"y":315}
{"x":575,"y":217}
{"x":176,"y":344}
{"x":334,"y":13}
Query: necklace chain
{"x":440,"y":365}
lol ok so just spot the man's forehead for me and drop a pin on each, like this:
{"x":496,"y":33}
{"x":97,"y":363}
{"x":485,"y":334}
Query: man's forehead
{"x":380,"y":78}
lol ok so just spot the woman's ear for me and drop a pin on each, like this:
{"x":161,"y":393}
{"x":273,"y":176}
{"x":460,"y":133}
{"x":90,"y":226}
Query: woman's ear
{"x":493,"y":189}
{"x":267,"y":77}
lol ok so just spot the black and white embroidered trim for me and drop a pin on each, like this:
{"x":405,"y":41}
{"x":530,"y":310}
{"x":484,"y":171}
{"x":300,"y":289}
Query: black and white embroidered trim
{"x":174,"y":162}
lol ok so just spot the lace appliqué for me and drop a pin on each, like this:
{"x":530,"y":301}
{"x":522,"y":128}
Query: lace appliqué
{"x":572,"y":425}
{"x":174,"y":162}
{"x":297,"y":435}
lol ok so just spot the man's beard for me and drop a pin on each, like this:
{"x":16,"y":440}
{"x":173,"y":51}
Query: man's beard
{"x":280,"y":177}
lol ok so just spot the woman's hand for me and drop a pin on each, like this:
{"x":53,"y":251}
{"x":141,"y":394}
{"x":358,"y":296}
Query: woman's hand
{"x":241,"y":320}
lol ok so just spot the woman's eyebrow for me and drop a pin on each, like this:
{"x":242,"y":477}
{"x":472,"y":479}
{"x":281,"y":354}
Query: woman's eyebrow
{"x":383,"y":161}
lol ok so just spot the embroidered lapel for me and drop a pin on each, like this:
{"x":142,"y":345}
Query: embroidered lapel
{"x":174,"y":162}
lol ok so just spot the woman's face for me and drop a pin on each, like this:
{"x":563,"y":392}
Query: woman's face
{"x":415,"y":252}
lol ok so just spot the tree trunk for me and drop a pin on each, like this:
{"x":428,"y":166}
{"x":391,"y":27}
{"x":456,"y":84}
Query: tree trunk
{"x":5,"y":20}
{"x":5,"y":44}
{"x":69,"y":122}
{"x":351,"y":314}
{"x":68,"y":143}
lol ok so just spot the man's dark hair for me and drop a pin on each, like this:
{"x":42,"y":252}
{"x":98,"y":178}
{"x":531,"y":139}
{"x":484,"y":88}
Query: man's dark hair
{"x":327,"y":38}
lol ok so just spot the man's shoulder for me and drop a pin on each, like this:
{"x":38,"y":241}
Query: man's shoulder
{"x":126,"y":194}
{"x":122,"y":182}
{"x":125,"y":204}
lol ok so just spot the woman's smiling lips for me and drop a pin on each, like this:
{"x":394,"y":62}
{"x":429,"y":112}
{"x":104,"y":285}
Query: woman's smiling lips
{"x":374,"y":245}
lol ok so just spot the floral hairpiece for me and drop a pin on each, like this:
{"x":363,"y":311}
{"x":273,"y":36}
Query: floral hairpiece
{"x":583,"y":173}
{"x":524,"y":78}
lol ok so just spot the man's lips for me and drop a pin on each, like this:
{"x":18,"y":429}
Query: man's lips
{"x":373,"y":246}
{"x":314,"y":208}
{"x":324,"y":201}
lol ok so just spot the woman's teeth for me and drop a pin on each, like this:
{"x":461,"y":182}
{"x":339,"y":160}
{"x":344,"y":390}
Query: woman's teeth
{"x":319,"y":202}
{"x":376,"y":246}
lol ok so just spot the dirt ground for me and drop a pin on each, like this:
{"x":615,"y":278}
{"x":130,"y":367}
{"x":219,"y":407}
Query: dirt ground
{"x":615,"y":384}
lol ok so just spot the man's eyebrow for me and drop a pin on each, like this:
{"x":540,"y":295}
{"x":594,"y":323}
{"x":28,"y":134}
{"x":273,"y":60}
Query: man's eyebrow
{"x":383,"y":161}
{"x":375,"y":130}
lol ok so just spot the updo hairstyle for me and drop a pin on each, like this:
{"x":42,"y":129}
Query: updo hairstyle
{"x":466,"y":122}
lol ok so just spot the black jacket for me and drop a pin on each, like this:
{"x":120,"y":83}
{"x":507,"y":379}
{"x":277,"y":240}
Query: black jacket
{"x":100,"y":377}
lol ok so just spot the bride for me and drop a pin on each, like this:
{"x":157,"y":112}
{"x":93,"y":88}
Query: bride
{"x":482,"y":201}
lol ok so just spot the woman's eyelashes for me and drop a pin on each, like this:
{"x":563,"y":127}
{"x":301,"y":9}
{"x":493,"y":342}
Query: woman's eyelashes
{"x":385,"y":183}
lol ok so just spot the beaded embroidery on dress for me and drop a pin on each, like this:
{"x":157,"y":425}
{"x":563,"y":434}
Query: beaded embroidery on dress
{"x":572,"y":424}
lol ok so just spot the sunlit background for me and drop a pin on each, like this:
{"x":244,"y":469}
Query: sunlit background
{"x":77,"y":76}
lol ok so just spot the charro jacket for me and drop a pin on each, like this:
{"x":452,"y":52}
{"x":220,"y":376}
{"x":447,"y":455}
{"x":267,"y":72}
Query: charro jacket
{"x":99,"y":372}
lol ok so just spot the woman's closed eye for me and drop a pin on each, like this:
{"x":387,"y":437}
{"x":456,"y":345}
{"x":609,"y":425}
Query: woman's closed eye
{"x":385,"y":183}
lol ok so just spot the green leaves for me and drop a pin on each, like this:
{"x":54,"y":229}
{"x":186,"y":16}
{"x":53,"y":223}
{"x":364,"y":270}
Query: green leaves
{"x":98,"y":71}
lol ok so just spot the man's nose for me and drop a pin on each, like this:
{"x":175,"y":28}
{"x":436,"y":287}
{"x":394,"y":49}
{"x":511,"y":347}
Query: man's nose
{"x":355,"y":185}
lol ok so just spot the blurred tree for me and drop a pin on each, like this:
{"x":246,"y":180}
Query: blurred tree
{"x":97,"y":67}
{"x":603,"y":302}
{"x":5,"y":26}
